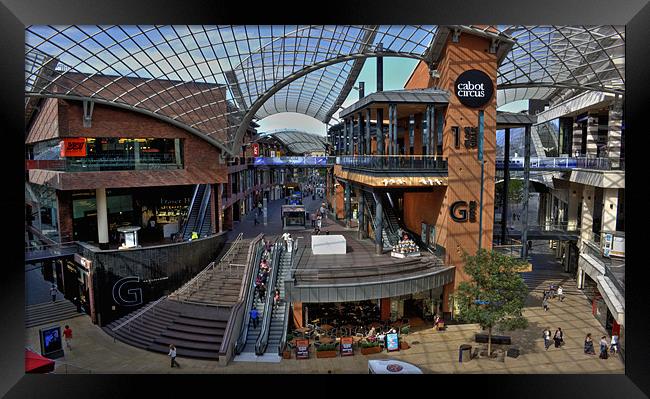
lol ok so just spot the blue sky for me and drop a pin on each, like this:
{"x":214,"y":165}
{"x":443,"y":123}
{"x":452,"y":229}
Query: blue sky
{"x":396,"y":72}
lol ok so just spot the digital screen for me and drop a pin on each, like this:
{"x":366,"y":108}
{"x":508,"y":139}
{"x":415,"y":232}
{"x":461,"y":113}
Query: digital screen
{"x":51,"y":340}
{"x":392,"y":342}
{"x":260,"y":161}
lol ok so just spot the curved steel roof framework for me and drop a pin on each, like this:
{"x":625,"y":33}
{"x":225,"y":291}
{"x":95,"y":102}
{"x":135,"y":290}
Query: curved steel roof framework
{"x":210,"y":80}
{"x":299,"y":142}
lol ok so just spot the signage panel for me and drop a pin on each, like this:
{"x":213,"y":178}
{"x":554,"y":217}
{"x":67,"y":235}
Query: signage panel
{"x":73,"y":147}
{"x":474,"y":88}
{"x":302,"y":349}
{"x":51,"y":342}
{"x":346,"y":346}
{"x":392,"y":342}
{"x":256,"y":150}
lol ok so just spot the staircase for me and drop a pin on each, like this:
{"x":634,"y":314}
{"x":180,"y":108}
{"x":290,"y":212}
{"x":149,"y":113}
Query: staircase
{"x":49,"y":312}
{"x":254,"y":333}
{"x":194,"y":317}
{"x":388,"y":238}
{"x":198,"y":218}
{"x":278,"y":321}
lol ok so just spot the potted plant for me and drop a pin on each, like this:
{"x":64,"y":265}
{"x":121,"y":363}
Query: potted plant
{"x":368,"y":348}
{"x":403,"y":344}
{"x":326,"y":350}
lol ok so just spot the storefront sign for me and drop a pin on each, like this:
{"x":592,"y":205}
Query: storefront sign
{"x":124,"y":294}
{"x":474,"y":88}
{"x":392,"y":342}
{"x":302,"y":349}
{"x":73,"y":147}
{"x":461,"y":212}
{"x":85,"y":263}
{"x":346,"y":346}
{"x":256,"y":150}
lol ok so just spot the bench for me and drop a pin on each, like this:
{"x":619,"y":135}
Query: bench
{"x":496,"y":339}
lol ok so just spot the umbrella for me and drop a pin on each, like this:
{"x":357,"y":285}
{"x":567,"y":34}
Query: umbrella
{"x":35,"y":363}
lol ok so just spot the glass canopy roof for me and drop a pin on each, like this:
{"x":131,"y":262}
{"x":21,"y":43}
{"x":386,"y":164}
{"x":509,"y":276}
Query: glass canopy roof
{"x":299,"y":142}
{"x":213,"y":80}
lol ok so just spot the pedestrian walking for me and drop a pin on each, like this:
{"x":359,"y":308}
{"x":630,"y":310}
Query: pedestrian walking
{"x":312,"y":217}
{"x":259,"y":208}
{"x":547,"y":338}
{"x":253,"y":314}
{"x":53,"y":293}
{"x":589,"y":345}
{"x":262,"y":291}
{"x":67,"y":334}
{"x":172,"y":355}
{"x":603,"y":348}
{"x":545,"y":304}
{"x":614,"y":344}
{"x":558,"y":337}
{"x":560,"y":293}
{"x":276,"y":298}
{"x":256,"y":221}
{"x":319,"y":221}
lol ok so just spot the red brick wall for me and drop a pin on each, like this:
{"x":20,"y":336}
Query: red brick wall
{"x":420,"y":78}
{"x":46,"y":123}
{"x":201,"y":160}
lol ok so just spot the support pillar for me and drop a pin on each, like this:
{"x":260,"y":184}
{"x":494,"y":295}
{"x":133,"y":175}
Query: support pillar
{"x":614,"y":132}
{"x":102,"y":218}
{"x":220,"y":207}
{"x":506,"y":182}
{"x":524,"y":229}
{"x":576,"y":144}
{"x":587,"y":214}
{"x":592,"y":135}
{"x":434,"y":130}
{"x":362,"y":219}
{"x":360,"y":135}
{"x":574,"y":195}
{"x":379,"y":130}
{"x":368,"y":149}
{"x":610,"y":209}
{"x":379,"y":220}
{"x":214,"y":210}
{"x":392,"y":126}
{"x":348,"y":205}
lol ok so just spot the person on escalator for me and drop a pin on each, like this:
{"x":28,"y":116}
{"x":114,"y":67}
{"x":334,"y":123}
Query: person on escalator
{"x":276,"y":298}
{"x":253,"y":314}
{"x":262,"y":292}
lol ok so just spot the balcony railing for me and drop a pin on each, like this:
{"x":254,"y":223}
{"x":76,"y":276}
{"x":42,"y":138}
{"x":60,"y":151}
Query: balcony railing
{"x":99,"y":165}
{"x":593,"y":248}
{"x":561,"y":163}
{"x":392,"y":163}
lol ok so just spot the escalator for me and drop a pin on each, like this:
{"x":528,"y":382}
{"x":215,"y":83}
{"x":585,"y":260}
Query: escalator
{"x":389,"y":237}
{"x":249,"y":335}
{"x":198,"y":218}
{"x":274,"y":321}
{"x":394,"y":223}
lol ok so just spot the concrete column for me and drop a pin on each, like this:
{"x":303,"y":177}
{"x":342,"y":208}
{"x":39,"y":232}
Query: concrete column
{"x":426,"y":132}
{"x":574,"y":195}
{"x":434,"y":131}
{"x":348,"y":205}
{"x":177,"y":153}
{"x":580,"y":278}
{"x":592,"y":135}
{"x":360,"y":135}
{"x":379,"y":220}
{"x":380,"y":131}
{"x":576,"y":146}
{"x":506,"y":182}
{"x":587,"y":217}
{"x":524,"y":212}
{"x":614,"y":131}
{"x":362,"y":219}
{"x":214,"y":210}
{"x":136,"y":154}
{"x":610,"y":209}
{"x":102,"y":218}
{"x":367,"y":132}
{"x":220,"y":207}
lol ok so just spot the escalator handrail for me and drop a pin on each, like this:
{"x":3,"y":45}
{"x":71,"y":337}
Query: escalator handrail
{"x":283,"y":338}
{"x":189,"y":212}
{"x":263,"y":339}
{"x":243,"y":334}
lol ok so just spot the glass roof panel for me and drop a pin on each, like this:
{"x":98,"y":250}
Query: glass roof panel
{"x":208,"y":77}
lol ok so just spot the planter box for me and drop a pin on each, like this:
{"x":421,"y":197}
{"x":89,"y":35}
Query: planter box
{"x":325,"y":354}
{"x":371,"y":350}
{"x":286,"y":355}
{"x":403,"y":345}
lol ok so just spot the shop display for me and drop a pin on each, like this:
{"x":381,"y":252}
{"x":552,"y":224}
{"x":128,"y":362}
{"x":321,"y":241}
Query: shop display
{"x":405,"y":248}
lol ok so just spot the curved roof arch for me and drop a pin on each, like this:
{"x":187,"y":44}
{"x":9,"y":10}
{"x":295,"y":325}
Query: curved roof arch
{"x":214,"y":79}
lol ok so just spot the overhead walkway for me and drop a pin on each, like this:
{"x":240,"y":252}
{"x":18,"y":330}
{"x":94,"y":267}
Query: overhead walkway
{"x":540,"y":232}
{"x":43,"y":253}
{"x":556,"y":164}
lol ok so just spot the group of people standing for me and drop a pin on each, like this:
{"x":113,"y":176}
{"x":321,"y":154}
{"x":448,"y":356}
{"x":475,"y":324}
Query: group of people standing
{"x":558,"y":338}
{"x":552,"y":292}
{"x":613,"y":346}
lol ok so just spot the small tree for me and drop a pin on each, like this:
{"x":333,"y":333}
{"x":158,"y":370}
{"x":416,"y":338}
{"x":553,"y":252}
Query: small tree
{"x":496,"y":294}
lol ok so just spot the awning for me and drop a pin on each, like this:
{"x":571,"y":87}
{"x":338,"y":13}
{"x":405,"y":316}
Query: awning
{"x":37,"y":364}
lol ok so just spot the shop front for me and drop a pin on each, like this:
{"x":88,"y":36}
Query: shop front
{"x":293,"y":217}
{"x":77,"y":284}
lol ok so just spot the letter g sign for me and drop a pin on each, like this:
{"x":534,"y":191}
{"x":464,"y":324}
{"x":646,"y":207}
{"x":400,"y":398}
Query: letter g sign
{"x":125,"y":296}
{"x":458,"y":211}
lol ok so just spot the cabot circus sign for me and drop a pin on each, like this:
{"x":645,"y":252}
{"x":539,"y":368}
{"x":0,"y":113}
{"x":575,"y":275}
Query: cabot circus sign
{"x":474,"y":88}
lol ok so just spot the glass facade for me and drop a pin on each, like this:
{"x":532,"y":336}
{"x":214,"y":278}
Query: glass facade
{"x":106,"y":154}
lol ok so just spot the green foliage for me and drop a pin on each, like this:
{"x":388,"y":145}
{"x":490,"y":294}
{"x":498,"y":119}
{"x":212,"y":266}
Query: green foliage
{"x":326,"y":347}
{"x":498,"y":287}
{"x":369,"y":344}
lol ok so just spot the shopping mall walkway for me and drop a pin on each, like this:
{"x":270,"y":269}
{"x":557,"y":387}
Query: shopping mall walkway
{"x":94,"y":351}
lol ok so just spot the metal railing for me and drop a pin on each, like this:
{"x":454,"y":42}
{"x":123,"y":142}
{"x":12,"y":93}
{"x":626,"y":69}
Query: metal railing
{"x":592,"y":248}
{"x":262,"y":340}
{"x":393,"y":163}
{"x":94,"y":165}
{"x":135,"y":316}
{"x":185,"y":292}
{"x":250,"y":297}
{"x":517,"y":163}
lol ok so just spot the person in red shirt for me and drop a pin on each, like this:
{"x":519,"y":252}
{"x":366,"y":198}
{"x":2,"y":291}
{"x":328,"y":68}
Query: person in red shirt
{"x":67,"y":333}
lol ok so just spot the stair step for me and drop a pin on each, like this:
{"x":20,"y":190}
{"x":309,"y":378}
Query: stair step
{"x":184,"y":352}
{"x":196,"y":330}
{"x":185,"y":344}
{"x":176,"y":335}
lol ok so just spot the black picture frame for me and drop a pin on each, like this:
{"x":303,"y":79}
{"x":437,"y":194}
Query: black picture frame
{"x":16,"y":14}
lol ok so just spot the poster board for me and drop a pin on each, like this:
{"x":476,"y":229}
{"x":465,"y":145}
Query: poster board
{"x":392,"y":342}
{"x":302,"y":349}
{"x":346,"y":346}
{"x":51,"y":342}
